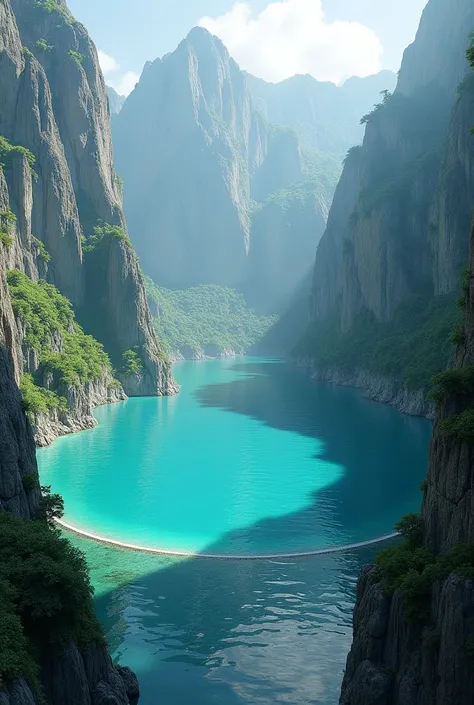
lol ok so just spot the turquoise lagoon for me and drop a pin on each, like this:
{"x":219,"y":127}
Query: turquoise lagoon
{"x":251,"y":457}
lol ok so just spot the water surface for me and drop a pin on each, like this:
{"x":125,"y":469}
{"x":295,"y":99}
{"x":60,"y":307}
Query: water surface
{"x":252,"y":457}
{"x":210,"y":632}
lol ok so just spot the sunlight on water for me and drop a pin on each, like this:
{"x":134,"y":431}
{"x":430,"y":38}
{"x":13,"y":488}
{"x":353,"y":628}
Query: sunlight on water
{"x":249,"y":458}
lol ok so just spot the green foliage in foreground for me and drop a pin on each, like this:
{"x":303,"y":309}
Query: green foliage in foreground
{"x":456,"y":383}
{"x":50,"y":6}
{"x":77,"y":57}
{"x":460,"y":427}
{"x":413,"y":569}
{"x":47,"y":315}
{"x":7,"y":219}
{"x":42,"y":45}
{"x":414,"y":345}
{"x":45,"y":596}
{"x":207,"y":315}
{"x":43,"y":252}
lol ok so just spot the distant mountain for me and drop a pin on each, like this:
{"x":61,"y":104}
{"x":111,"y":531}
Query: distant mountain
{"x":325,"y":116}
{"x":116,"y":101}
{"x":202,"y":171}
{"x":223,"y":182}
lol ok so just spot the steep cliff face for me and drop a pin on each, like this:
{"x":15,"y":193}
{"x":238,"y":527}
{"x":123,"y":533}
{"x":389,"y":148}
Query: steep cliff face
{"x":196,"y":159}
{"x":116,"y":101}
{"x":325,"y":116}
{"x":397,"y":227}
{"x":76,"y":677}
{"x":57,"y":186}
{"x":396,"y":234}
{"x":396,"y":657}
{"x":414,"y":617}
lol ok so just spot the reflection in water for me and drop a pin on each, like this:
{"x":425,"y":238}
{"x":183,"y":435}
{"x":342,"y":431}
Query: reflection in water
{"x":252,"y":455}
{"x":228,"y":633}
{"x":251,"y":458}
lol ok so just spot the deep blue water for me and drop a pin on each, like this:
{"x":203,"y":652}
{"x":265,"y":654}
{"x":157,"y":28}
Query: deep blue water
{"x":251,"y":456}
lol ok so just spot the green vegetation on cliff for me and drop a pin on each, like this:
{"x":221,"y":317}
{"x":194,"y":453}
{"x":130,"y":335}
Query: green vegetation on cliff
{"x":38,"y":400}
{"x":50,"y":6}
{"x":132,"y":363}
{"x":67,"y":356}
{"x":7,"y":150}
{"x":207,"y":319}
{"x":7,"y":220}
{"x":104,"y":231}
{"x":413,"y":346}
{"x":413,"y":569}
{"x":45,"y":595}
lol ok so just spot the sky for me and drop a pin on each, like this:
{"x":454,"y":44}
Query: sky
{"x":273,"y":39}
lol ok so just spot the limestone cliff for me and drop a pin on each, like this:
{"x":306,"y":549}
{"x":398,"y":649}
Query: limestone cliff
{"x":396,"y":228}
{"x":396,"y":232}
{"x":57,"y":186}
{"x":414,"y":616}
{"x":116,"y":101}
{"x":76,"y":676}
{"x":325,"y":116}
{"x":401,"y":660}
{"x":198,"y":162}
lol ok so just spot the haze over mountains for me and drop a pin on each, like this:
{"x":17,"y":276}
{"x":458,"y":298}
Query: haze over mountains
{"x":228,"y":180}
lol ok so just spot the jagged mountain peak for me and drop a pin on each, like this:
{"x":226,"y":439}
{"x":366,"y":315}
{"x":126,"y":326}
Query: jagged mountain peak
{"x":437,"y":56}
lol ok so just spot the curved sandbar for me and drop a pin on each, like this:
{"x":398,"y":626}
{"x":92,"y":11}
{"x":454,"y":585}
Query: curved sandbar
{"x":222,"y":557}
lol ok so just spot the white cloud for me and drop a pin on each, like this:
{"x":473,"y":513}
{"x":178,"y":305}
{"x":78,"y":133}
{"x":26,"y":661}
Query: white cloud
{"x":293,"y":36}
{"x":107,"y":63}
{"x":123,"y":83}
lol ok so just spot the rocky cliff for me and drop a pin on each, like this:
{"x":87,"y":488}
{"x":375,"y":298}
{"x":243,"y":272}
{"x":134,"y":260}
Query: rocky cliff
{"x":396,"y":232}
{"x":76,"y":676}
{"x":397,"y":226}
{"x":198,"y":162}
{"x":414,"y":617}
{"x":116,"y":101}
{"x":325,"y":116}
{"x":60,"y":201}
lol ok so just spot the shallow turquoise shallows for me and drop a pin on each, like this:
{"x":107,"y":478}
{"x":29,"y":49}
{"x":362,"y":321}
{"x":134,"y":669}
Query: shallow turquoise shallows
{"x":252,"y":457}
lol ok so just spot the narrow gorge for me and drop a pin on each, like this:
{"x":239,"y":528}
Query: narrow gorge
{"x":236,"y":326}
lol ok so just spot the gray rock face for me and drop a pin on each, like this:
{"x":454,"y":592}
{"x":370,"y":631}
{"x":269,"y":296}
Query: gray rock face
{"x":325,"y":116}
{"x":54,"y":103}
{"x":17,"y":449}
{"x":386,"y":390}
{"x":393,"y":661}
{"x":195,"y":156}
{"x":116,"y":101}
{"x":397,"y":227}
{"x":73,"y":174}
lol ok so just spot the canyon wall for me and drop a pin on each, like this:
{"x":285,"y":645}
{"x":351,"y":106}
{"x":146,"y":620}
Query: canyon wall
{"x":57,"y":186}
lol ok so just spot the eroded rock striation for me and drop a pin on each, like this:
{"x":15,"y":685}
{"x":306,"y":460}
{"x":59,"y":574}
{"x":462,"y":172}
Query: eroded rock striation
{"x":414,"y":616}
{"x":397,"y":230}
{"x":396,"y":660}
{"x":57,"y":186}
